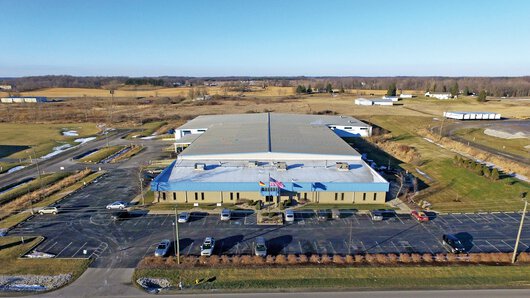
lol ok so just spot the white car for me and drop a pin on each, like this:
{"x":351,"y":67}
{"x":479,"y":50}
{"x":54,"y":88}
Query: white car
{"x":117,"y":205}
{"x":225,"y":214}
{"x":207,"y":246}
{"x":289,"y":215}
{"x":48,"y":210}
{"x":184,"y":217}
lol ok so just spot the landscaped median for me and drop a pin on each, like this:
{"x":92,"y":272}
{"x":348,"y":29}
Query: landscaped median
{"x":363,"y":272}
{"x":112,"y":154}
{"x":48,"y":195}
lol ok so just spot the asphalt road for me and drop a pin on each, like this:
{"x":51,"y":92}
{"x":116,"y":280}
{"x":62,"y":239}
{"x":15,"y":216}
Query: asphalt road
{"x":85,"y":224}
{"x":450,"y":129}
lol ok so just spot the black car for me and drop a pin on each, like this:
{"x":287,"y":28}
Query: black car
{"x":453,"y":244}
{"x":119,"y":215}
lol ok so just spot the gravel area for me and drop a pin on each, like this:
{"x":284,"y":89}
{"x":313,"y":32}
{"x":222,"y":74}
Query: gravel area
{"x":153,"y":283}
{"x":17,"y":283}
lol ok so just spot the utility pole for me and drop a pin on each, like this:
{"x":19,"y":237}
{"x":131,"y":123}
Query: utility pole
{"x":177,"y":244}
{"x":519,"y":233}
{"x":141,"y":180}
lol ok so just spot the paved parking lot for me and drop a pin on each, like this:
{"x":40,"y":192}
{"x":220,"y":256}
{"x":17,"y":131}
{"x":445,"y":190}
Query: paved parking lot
{"x":85,"y":225}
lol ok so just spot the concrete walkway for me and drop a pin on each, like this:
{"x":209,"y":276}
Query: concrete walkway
{"x":100,"y":282}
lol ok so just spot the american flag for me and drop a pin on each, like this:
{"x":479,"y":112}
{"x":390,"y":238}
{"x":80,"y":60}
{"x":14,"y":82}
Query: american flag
{"x":275,"y":183}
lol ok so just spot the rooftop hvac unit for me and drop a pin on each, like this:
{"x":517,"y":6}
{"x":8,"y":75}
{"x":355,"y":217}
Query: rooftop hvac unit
{"x":252,"y":164}
{"x":342,"y":166}
{"x":200,"y":167}
{"x":281,"y":166}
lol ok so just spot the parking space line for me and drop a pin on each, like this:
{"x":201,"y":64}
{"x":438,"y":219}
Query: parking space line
{"x":395,"y":246}
{"x":301,"y":249}
{"x":497,"y":217}
{"x":167,"y":216}
{"x":377,"y":245}
{"x":137,"y":221}
{"x":189,"y":249}
{"x":511,"y":247}
{"x":470,"y":218}
{"x":478,"y":247}
{"x":364,"y":247}
{"x":63,"y":249}
{"x":428,"y":247}
{"x":79,"y":249}
{"x":48,"y":248}
{"x":150,"y":221}
{"x":316,"y":247}
{"x":495,"y":247}
{"x":401,"y":221}
{"x":332,"y":248}
{"x":148,"y":249}
{"x":459,"y":221}
{"x":510,"y":217}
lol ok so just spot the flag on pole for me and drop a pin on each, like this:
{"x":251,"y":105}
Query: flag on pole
{"x":261,"y":184}
{"x":275,"y":183}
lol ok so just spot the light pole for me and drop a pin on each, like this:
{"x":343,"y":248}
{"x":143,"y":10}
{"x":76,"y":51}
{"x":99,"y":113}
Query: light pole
{"x":519,"y":233}
{"x":177,"y":244}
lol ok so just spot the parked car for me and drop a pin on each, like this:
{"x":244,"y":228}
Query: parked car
{"x":225,"y":214}
{"x":208,"y":246}
{"x":323,"y":215}
{"x":453,"y":244}
{"x":335,"y":213}
{"x":377,"y":215}
{"x":184,"y":217}
{"x":119,"y":215}
{"x":289,"y":215}
{"x":261,"y":247}
{"x":419,"y":216}
{"x":163,"y":248}
{"x":48,"y":210}
{"x":117,"y":205}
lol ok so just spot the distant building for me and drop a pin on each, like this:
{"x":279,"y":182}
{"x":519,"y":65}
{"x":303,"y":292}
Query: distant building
{"x":403,"y":95}
{"x":439,"y":95}
{"x":6,"y":87}
{"x":472,"y":115}
{"x":23,"y":99}
{"x":374,"y":102}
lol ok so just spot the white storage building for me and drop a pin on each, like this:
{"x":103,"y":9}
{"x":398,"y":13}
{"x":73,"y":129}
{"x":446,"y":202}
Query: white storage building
{"x":443,"y":95}
{"x":374,"y":102}
{"x":472,"y":115}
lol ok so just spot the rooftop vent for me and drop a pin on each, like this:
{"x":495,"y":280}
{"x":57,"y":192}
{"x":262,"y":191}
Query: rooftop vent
{"x":200,"y":167}
{"x":342,"y":166}
{"x":281,"y":166}
{"x":252,"y":164}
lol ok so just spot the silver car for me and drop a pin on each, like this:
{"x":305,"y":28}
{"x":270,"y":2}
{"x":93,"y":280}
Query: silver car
{"x":163,"y":248}
{"x":117,"y":205}
{"x":261,"y":247}
{"x":207,"y":246}
{"x":289,"y":215}
{"x":184,"y":217}
{"x":225,"y":214}
{"x":48,"y":210}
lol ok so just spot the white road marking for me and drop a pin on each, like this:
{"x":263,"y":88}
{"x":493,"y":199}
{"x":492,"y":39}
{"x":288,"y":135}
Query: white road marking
{"x":364,"y":247}
{"x":316,"y":247}
{"x":397,"y":249}
{"x":456,"y":218}
{"x":397,"y":216}
{"x":300,"y":245}
{"x":428,"y":247}
{"x":511,"y":247}
{"x":516,"y":220}
{"x":470,"y":218}
{"x":79,"y":249}
{"x":63,"y":249}
{"x":495,"y":247}
{"x":167,"y":216}
{"x":189,"y":249}
{"x":332,"y":248}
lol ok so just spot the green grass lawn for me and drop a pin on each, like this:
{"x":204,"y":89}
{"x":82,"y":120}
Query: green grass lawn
{"x":101,"y":154}
{"x":11,"y":248}
{"x":17,"y":139}
{"x":146,"y":129}
{"x":360,"y":278}
{"x":458,"y":189}
{"x":5,"y":166}
{"x":513,"y":146}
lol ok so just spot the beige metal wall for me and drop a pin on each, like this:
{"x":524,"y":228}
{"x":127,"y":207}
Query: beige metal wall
{"x":232,"y":197}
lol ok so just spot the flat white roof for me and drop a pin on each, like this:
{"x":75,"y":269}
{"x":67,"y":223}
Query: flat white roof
{"x":270,"y":136}
{"x":297,"y":171}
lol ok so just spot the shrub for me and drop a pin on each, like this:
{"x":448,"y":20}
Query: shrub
{"x":451,"y":258}
{"x":314,"y":259}
{"x":225,"y":260}
{"x":349,"y":259}
{"x":359,"y":259}
{"x":292,"y":259}
{"x":474,"y":258}
{"x":258,"y":260}
{"x":440,"y":258}
{"x":523,"y":257}
{"x":171,"y":262}
{"x":338,"y":260}
{"x":213,"y":261}
{"x":269,"y":259}
{"x":416,"y":258}
{"x":404,"y":258}
{"x":369,"y":258}
{"x":246,"y":260}
{"x":494,"y":174}
{"x":281,"y":260}
{"x":381,"y":258}
{"x":392,"y":258}
{"x":303,"y":259}
{"x":203,"y":259}
{"x":190,"y":260}
{"x":427,"y":258}
{"x":236,"y":260}
{"x":485,"y":258}
{"x":502,"y":257}
{"x":325,"y":259}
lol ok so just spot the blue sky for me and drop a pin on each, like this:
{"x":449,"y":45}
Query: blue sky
{"x":289,"y":37}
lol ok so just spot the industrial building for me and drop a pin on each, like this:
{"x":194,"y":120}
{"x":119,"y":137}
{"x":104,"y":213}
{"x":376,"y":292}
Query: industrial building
{"x":443,"y":95}
{"x":16,"y":99}
{"x":472,"y":115}
{"x":269,"y":157}
{"x":374,"y":102}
